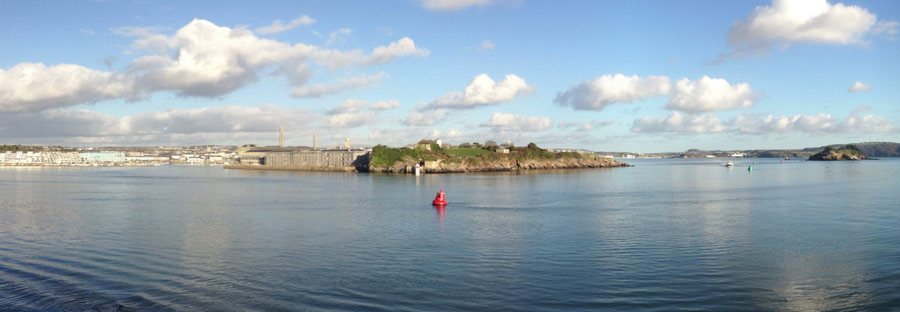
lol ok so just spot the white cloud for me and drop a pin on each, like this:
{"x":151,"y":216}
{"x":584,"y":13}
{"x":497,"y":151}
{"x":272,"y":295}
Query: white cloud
{"x":379,"y":55}
{"x":820,"y":123}
{"x":348,"y":106}
{"x":808,"y":21}
{"x":449,"y":134}
{"x":351,"y":113}
{"x":710,"y":94}
{"x":277,"y":26}
{"x":338,"y":36}
{"x":486,"y":45}
{"x":146,"y":38}
{"x":200,"y":59}
{"x":34,"y":86}
{"x":584,"y":126}
{"x":678,"y":122}
{"x":426,"y":118}
{"x":854,"y":123}
{"x":512,"y":122}
{"x":483,"y":91}
{"x":859,"y":86}
{"x":320,"y":90}
{"x":60,"y":123}
{"x":597,"y":93}
{"x":351,"y":120}
{"x":385,"y":105}
{"x":452,"y":5}
{"x":758,"y":124}
{"x":886,"y":27}
{"x":402,"y":47}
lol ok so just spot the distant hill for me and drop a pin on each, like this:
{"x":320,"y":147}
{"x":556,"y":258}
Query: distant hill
{"x":878,"y":149}
{"x":871,"y":149}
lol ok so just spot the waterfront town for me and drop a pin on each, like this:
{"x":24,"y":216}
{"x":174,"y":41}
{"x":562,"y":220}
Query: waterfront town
{"x":18,"y":155}
{"x":332,"y":156}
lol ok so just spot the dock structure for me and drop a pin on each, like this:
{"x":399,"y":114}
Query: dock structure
{"x":302,"y":158}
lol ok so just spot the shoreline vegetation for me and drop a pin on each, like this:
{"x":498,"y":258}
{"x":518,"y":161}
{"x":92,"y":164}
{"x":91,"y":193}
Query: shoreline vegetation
{"x":432,"y":158}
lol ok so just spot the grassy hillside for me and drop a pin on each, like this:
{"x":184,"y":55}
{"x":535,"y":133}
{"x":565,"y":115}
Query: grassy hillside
{"x":383,"y":156}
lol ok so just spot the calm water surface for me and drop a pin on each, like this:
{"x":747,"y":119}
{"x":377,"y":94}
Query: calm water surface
{"x":663,"y":235}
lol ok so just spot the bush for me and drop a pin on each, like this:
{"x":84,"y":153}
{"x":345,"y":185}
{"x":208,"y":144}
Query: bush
{"x":383,"y":156}
{"x":466,"y":152}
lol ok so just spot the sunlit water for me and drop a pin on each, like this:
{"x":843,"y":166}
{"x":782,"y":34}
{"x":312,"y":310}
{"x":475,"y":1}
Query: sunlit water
{"x":662,"y":235}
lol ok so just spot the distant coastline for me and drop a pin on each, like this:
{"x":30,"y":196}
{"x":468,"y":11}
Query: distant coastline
{"x":432,"y":156}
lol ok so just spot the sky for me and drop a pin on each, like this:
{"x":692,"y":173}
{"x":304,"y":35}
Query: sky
{"x":637,"y":76}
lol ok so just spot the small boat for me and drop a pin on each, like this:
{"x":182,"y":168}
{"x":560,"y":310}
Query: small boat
{"x":729,"y":164}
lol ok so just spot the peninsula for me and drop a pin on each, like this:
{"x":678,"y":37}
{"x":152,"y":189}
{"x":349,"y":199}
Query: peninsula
{"x":476,"y":158}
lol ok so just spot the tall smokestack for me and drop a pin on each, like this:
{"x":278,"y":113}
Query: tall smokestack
{"x":314,"y":141}
{"x":281,"y":136}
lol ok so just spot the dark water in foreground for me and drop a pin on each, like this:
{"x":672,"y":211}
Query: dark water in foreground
{"x":663,"y":235}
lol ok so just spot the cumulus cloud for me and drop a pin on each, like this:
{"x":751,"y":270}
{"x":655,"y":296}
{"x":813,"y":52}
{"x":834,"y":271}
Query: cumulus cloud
{"x":512,"y":122}
{"x":763,"y":124}
{"x":448,"y":134}
{"x":584,"y":126}
{"x":320,"y":90}
{"x":855,"y":122}
{"x":766,"y":124}
{"x":810,"y":21}
{"x":710,"y":94}
{"x":597,"y":93}
{"x":404,"y":46}
{"x":147,"y":38}
{"x":277,"y":26}
{"x":352,"y":113}
{"x":351,"y":120}
{"x":62,"y":123}
{"x":484,"y":91}
{"x":35,"y":86}
{"x":859,"y":86}
{"x":348,"y":106}
{"x":678,"y":122}
{"x":201,"y":59}
{"x":425,"y":118}
{"x":486,"y":45}
{"x":385,"y":105}
{"x":452,"y":5}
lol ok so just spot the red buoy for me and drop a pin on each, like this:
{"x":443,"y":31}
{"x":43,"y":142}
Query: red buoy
{"x":439,"y":199}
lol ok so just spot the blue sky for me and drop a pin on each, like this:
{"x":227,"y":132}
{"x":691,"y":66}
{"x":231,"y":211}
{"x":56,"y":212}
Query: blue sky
{"x":600,"y":75}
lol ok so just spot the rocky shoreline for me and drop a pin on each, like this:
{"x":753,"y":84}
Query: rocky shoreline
{"x":849,"y":152}
{"x":506,"y":164}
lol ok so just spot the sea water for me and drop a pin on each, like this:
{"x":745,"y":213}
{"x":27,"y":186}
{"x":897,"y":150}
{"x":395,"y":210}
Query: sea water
{"x":662,"y":235}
